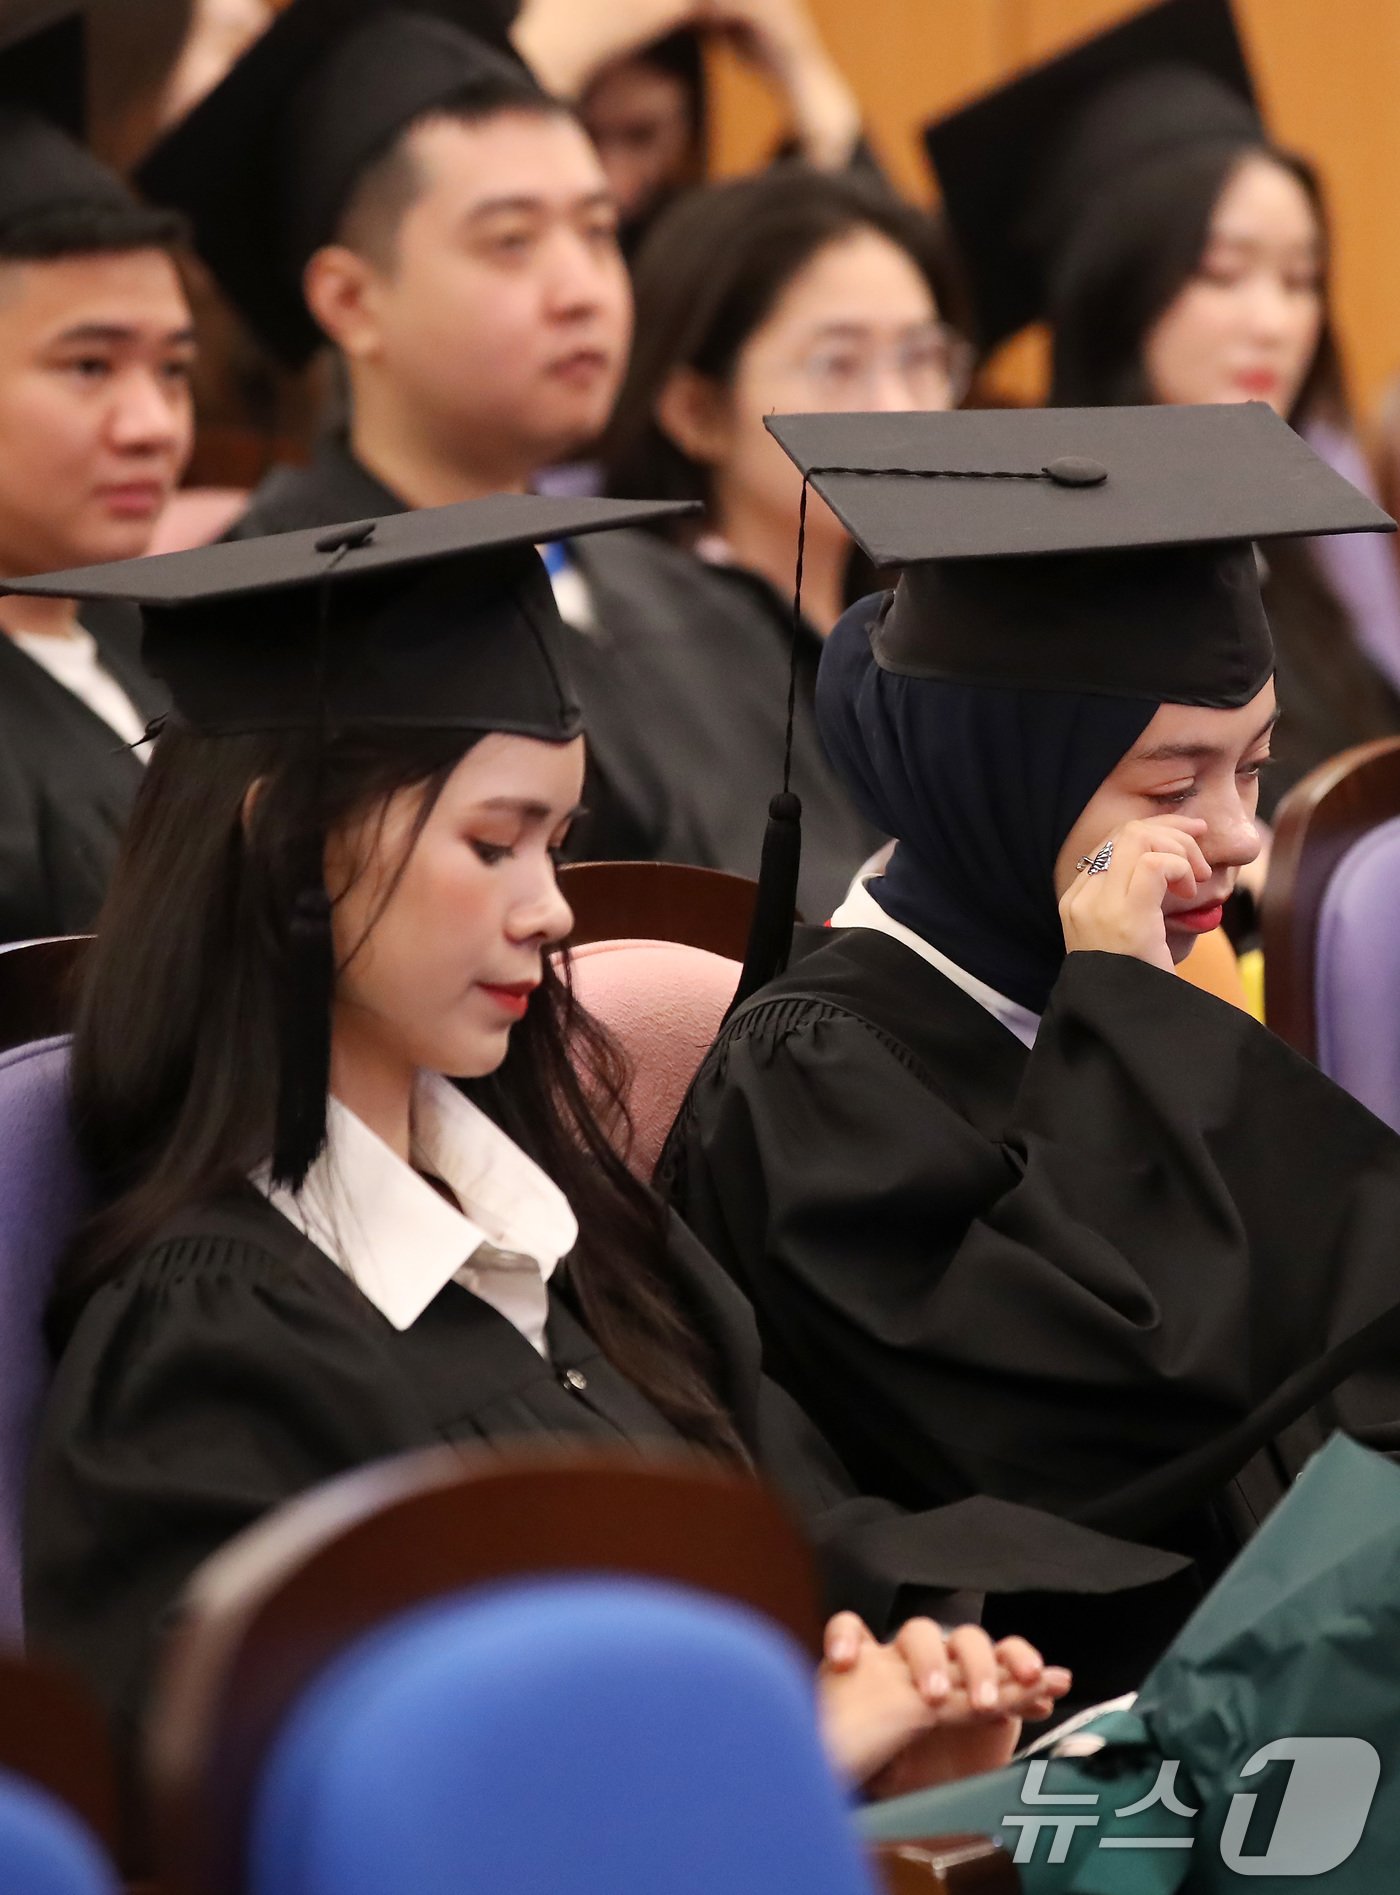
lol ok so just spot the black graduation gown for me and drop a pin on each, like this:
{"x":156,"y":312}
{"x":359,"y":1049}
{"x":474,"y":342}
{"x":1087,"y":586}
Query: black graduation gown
{"x":717,"y":639}
{"x":683,"y":679}
{"x":232,"y":1365}
{"x":1039,"y":1274}
{"x":67,"y":783}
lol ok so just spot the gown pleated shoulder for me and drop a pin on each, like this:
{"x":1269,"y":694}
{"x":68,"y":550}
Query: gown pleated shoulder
{"x":233,"y":1365}
{"x":1042,"y":1275}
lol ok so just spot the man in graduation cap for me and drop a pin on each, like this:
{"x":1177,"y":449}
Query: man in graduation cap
{"x":389,"y":178}
{"x":1021,"y":1213}
{"x":95,"y":430}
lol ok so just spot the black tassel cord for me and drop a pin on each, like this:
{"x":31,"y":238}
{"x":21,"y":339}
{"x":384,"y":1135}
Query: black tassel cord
{"x":775,"y":907}
{"x":308,"y":980}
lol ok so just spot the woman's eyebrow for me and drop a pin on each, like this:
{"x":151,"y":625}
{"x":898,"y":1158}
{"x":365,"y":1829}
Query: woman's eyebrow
{"x":1197,"y":753}
{"x":840,"y":329}
{"x":528,"y":809}
{"x":1246,"y":240}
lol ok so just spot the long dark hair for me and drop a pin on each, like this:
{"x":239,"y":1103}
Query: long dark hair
{"x":176,"y":1054}
{"x":1112,"y":281}
{"x":680,"y":57}
{"x":710,"y":274}
{"x":1116,"y":277}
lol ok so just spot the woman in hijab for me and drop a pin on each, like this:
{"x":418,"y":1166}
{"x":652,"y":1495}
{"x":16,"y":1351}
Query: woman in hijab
{"x":1022,"y":1215}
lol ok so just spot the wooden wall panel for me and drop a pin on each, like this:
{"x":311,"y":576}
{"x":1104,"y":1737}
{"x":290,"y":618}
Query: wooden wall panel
{"x":1329,"y":75}
{"x":906,"y":59}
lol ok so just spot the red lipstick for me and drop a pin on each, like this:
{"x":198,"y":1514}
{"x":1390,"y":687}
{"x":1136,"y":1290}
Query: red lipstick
{"x":514,"y":999}
{"x":1259,"y":382}
{"x":1198,"y":920}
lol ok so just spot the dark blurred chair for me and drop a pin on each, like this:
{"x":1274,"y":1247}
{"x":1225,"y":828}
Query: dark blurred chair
{"x":53,"y":1735}
{"x":39,"y":987}
{"x":1331,"y":922}
{"x":43,"y":1194}
{"x":659,"y":901}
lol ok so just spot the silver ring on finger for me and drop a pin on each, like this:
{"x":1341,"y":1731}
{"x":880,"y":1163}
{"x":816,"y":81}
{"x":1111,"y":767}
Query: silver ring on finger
{"x":1096,"y":864}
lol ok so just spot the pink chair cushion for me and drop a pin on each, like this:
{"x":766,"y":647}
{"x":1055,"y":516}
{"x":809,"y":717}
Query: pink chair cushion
{"x":665,"y":1003}
{"x":197,"y":516}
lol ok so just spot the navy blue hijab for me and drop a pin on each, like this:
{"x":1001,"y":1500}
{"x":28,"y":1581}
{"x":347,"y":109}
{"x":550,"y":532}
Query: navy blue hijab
{"x":980,"y":786}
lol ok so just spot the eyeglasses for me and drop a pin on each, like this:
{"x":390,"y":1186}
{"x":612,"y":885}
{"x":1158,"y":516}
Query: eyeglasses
{"x":933,"y":363}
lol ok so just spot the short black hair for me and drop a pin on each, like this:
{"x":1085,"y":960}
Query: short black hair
{"x":392,"y":180}
{"x":88,"y":229}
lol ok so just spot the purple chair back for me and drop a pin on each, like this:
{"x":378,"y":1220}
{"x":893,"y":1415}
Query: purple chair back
{"x":1357,"y":978}
{"x":43,"y":1194}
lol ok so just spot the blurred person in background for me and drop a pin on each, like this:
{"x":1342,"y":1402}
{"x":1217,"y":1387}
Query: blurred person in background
{"x":446,"y":228}
{"x":220,"y":32}
{"x":96,"y":425}
{"x":1137,"y":203}
{"x":792,"y":290}
{"x":637,"y":71}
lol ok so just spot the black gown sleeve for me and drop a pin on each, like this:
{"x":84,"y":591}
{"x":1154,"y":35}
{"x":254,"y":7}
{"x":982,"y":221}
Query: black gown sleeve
{"x":1179,"y":1212}
{"x":26,"y":903}
{"x":198,"y":1391}
{"x":876,"y":1557}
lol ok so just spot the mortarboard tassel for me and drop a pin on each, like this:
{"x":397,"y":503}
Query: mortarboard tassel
{"x":308,"y":980}
{"x":304,"y":1036}
{"x":775,"y":908}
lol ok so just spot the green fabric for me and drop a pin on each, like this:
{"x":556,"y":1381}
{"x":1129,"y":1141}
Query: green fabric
{"x":1299,"y":1640}
{"x":1123,"y":1774}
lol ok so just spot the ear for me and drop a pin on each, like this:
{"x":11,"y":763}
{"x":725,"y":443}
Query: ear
{"x":250,"y":802}
{"x":341,"y":288}
{"x":692,"y":411}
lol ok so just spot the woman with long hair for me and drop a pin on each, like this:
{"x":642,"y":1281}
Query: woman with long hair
{"x":1178,"y":254}
{"x":310,"y":1247}
{"x":793,"y":290}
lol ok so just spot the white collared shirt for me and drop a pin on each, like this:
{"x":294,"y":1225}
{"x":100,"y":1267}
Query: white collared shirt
{"x":861,"y":910}
{"x":402,"y":1243}
{"x":74,"y":661}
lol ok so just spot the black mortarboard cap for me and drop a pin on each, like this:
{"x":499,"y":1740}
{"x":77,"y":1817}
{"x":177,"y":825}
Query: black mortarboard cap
{"x":1094,"y":549}
{"x":1104,"y":550}
{"x":265,"y":164}
{"x":442,"y":619}
{"x":1022,"y":168}
{"x":44,"y":165}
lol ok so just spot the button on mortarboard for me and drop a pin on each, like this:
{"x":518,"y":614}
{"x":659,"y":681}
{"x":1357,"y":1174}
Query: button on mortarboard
{"x":1019,"y":166}
{"x":1071,"y":470}
{"x":347,"y":539}
{"x":265,"y":164}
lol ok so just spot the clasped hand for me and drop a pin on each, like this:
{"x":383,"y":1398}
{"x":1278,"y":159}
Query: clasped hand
{"x":928,"y":1707}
